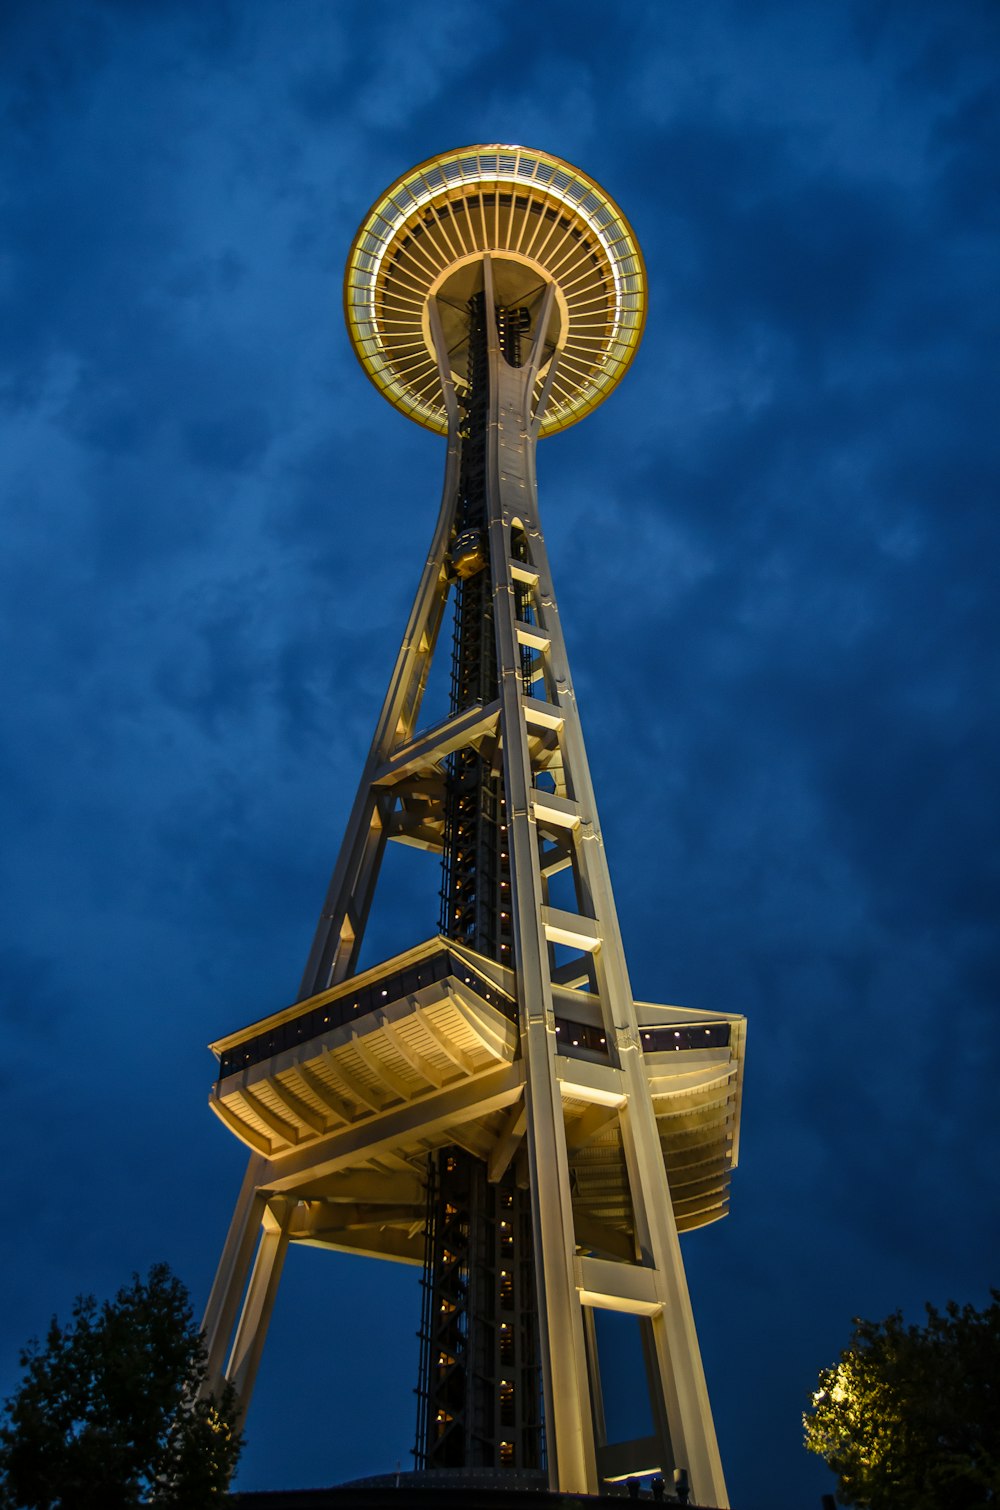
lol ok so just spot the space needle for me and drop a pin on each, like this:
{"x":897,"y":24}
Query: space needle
{"x":493,"y":1104}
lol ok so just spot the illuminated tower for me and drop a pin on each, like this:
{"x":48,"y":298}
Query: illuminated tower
{"x":492,"y":1104}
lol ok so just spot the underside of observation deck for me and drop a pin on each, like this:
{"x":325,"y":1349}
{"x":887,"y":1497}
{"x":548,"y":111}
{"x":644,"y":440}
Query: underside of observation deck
{"x":359,"y":1085}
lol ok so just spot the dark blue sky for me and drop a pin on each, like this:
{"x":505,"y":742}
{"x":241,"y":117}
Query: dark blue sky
{"x":776,"y":553}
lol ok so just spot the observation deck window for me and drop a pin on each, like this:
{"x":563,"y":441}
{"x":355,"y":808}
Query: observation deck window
{"x":352,"y":1002}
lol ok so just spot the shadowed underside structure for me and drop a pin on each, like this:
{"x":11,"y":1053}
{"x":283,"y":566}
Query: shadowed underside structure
{"x":492,"y":1104}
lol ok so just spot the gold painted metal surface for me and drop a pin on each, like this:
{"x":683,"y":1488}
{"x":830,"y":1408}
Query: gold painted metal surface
{"x":543,"y":221}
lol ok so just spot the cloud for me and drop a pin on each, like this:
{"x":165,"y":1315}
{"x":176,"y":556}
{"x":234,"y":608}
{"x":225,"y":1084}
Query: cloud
{"x":773,"y":549}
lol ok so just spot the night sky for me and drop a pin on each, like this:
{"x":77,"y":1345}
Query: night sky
{"x":775,"y":549}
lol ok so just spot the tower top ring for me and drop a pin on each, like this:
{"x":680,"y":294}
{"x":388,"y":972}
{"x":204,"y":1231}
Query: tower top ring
{"x":524,"y":208}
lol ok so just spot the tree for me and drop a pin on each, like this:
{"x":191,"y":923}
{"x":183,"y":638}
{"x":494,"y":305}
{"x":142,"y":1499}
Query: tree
{"x":111,"y":1412}
{"x":910,"y":1416}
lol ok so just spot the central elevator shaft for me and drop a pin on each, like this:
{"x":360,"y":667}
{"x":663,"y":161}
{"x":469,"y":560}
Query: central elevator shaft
{"x":479,"y":1390}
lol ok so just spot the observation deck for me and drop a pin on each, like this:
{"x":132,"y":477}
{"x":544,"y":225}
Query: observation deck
{"x":541,"y":221}
{"x":354,"y":1087}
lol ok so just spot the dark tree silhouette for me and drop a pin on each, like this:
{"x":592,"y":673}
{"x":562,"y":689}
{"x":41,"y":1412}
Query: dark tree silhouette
{"x":110,"y":1413}
{"x":910,"y":1416}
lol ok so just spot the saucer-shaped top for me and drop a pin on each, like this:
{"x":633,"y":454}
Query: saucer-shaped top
{"x":542,"y":221}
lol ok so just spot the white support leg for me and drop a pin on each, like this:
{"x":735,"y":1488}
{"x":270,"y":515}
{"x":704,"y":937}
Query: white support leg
{"x":339,"y":934}
{"x":681,"y":1396}
{"x":568,"y":1415}
{"x":252,"y":1330}
{"x":231,"y":1275}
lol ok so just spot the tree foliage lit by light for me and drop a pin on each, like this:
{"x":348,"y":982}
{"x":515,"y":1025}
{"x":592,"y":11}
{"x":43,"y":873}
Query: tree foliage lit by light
{"x":910,"y":1416}
{"x":112,"y":1413}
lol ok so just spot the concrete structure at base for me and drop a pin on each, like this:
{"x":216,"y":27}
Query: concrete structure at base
{"x":492,"y":1104}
